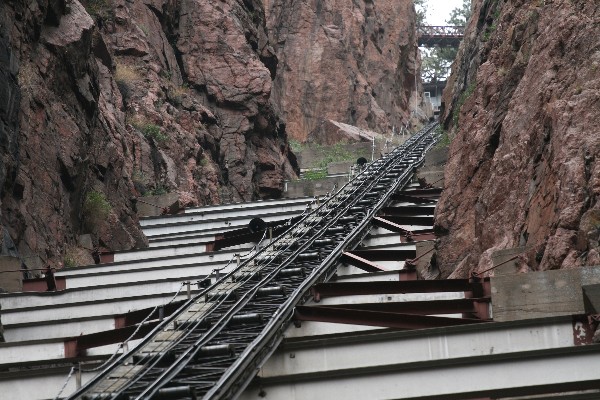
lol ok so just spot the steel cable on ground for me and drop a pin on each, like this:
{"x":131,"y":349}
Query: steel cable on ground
{"x":120,"y":346}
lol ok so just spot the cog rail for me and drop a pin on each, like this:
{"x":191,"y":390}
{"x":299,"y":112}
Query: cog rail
{"x":212,"y":346}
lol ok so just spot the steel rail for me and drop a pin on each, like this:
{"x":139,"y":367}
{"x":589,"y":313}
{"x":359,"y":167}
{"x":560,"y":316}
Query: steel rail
{"x":153,"y":378}
{"x":141,"y":396}
{"x":223,"y":389}
{"x":248,"y":296}
{"x":186,"y":305}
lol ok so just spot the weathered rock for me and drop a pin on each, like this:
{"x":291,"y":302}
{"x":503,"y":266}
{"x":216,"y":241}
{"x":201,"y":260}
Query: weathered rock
{"x":352,"y":62}
{"x":62,"y":132}
{"x":9,"y":106}
{"x":524,"y":165}
{"x":202,"y":83}
{"x":131,"y":97}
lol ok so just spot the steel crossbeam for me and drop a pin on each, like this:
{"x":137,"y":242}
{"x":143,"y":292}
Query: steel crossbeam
{"x":440,"y":35}
{"x":377,"y":318}
{"x":211,"y":347}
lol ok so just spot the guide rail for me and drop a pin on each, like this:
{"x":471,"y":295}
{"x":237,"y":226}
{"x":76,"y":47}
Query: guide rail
{"x":212,"y":346}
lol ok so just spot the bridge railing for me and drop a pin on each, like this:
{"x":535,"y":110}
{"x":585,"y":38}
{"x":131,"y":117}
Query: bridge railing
{"x":445,"y":31}
{"x":445,"y":36}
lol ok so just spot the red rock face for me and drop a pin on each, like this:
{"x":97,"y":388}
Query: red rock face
{"x":524,"y":166}
{"x":200,"y":71}
{"x":63,"y":138}
{"x":139,"y":96}
{"x":352,"y":62}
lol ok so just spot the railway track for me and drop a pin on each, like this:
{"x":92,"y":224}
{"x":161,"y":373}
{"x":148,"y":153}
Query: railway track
{"x":212,"y":346}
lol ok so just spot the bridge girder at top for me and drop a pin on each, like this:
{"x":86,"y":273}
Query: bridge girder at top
{"x":440,"y":36}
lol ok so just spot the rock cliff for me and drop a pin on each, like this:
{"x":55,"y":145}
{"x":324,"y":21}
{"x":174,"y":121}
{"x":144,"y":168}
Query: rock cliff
{"x":522,"y":108}
{"x":105,"y":100}
{"x":349,"y":61}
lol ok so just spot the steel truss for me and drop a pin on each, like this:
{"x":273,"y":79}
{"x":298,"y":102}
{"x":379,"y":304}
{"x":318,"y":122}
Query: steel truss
{"x":212,"y":346}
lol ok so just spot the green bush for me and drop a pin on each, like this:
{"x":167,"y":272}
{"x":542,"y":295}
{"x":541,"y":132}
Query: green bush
{"x":461,"y":100}
{"x":152,"y":131}
{"x":99,"y":9}
{"x":444,"y":140}
{"x":315,"y":174}
{"x":95,"y":209}
{"x":157,"y":191}
{"x":69,"y":262}
{"x":296,"y":146}
{"x":334,"y":153}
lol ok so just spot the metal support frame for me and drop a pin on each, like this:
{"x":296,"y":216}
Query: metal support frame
{"x":427,"y":307}
{"x":242,"y":236}
{"x":407,"y":235}
{"x":444,"y":36}
{"x":330,"y":289}
{"x":412,"y":199}
{"x":385,"y":255}
{"x":409,"y":220}
{"x":172,"y":355}
{"x":433,"y":192}
{"x":360,"y":262}
{"x":407,"y":211}
{"x":377,"y":318}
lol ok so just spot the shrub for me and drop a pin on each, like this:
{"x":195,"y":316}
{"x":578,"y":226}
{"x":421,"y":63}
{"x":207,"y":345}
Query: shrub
{"x":126,"y":73}
{"x":139,"y":181}
{"x":99,"y":9}
{"x":148,"y":129}
{"x":95,"y":209}
{"x":69,"y":261}
{"x":145,"y":29}
{"x":461,"y":100}
{"x":125,"y":77}
{"x":152,"y":131}
{"x":176,"y":94}
{"x":315,"y":174}
{"x":296,"y":146}
{"x":27,"y":78}
{"x":334,"y":153}
{"x":157,"y":191}
{"x":444,"y":140}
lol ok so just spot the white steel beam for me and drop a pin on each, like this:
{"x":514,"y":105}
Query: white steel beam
{"x":41,"y":386}
{"x":371,"y":350}
{"x":491,"y":376}
{"x":220,"y":225}
{"x":222,"y":256}
{"x":233,"y":214}
{"x":440,"y":363}
{"x":258,"y":203}
{"x":81,"y":310}
{"x":58,"y":328}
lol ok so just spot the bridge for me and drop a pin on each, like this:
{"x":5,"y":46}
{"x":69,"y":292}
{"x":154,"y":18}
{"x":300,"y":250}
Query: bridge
{"x":442,"y":36}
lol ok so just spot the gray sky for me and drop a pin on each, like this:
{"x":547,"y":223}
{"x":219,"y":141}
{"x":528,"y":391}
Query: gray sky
{"x":438,"y":11}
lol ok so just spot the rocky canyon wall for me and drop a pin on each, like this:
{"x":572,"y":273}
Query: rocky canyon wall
{"x":349,"y":61}
{"x":522,"y":109}
{"x":105,"y":100}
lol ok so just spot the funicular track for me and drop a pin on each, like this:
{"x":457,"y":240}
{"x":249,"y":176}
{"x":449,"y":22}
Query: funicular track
{"x":212,"y":346}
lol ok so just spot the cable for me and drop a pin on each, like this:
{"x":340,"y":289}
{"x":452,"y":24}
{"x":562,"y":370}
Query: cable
{"x":477,"y":274}
{"x":122,"y":344}
{"x":65,"y":384}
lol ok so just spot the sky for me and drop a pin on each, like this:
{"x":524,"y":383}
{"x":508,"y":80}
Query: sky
{"x":438,"y":11}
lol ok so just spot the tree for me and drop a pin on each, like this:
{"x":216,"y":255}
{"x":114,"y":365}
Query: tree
{"x":421,"y":10}
{"x":437,"y":61}
{"x":460,"y":15}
